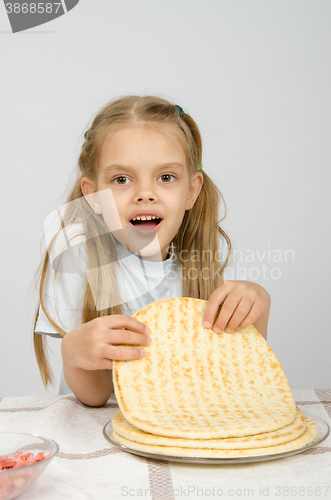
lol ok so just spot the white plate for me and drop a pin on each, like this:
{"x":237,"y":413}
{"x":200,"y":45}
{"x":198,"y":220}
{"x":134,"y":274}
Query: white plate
{"x":323,"y":432}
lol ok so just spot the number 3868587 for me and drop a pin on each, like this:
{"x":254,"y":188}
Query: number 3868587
{"x":32,"y":8}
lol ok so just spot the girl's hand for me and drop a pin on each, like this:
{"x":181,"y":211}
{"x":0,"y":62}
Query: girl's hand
{"x":237,"y":304}
{"x":92,"y":346}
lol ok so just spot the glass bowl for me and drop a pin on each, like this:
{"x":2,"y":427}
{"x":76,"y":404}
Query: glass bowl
{"x":15,"y":481}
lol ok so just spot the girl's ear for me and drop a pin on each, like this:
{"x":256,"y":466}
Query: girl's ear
{"x":90,"y":193}
{"x":196,"y":185}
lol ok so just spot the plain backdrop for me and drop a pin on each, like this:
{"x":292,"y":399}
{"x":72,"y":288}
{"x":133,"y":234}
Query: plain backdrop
{"x":256,"y":77}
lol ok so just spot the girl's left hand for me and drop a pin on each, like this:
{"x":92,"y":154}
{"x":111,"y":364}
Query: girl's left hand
{"x":235,"y":305}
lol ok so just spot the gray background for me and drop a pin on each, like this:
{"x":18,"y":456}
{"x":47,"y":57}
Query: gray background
{"x":256,"y":77}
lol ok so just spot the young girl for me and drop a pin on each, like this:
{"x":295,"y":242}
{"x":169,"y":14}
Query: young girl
{"x":141,"y":224}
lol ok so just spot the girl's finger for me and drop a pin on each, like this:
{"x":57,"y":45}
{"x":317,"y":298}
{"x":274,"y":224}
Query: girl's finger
{"x":123,"y":353}
{"x":252,"y":316}
{"x":227,"y":310}
{"x":215,"y":300}
{"x":118,"y":321}
{"x":239,"y":315}
{"x":126,"y":337}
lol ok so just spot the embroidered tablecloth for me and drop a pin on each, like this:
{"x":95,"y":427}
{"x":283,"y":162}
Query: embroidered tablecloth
{"x":89,"y":467}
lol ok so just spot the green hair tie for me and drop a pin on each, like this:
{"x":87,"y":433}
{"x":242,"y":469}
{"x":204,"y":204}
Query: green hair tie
{"x":200,"y":167}
{"x":180,"y":111}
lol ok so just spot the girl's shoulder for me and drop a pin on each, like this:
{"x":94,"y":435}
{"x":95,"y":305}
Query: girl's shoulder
{"x":61,"y":237}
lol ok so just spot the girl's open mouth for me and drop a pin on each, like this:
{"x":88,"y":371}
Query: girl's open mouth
{"x":146,"y":227}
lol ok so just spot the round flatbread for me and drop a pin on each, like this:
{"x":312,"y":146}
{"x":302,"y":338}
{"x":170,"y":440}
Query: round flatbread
{"x":306,"y":438}
{"x":197,"y":384}
{"x":288,"y":433}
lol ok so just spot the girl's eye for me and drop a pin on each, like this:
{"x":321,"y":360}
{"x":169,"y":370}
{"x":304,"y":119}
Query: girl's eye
{"x":121,"y":180}
{"x":166,"y":177}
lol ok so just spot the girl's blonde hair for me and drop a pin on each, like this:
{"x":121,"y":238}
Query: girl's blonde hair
{"x":197,"y":236}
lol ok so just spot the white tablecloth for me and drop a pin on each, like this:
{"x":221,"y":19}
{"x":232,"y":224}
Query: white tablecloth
{"x":89,"y":467}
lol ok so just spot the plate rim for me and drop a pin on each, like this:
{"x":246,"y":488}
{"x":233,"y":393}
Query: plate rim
{"x":319,"y":421}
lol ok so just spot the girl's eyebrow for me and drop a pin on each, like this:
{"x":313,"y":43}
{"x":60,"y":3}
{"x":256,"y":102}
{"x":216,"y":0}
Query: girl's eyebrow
{"x":127,"y":167}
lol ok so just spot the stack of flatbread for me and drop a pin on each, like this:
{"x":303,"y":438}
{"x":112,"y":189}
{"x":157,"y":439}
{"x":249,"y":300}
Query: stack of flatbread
{"x":196,"y":393}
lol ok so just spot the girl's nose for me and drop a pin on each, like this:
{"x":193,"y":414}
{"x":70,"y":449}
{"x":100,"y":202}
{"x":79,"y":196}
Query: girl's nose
{"x":145,"y":192}
{"x":149,"y":198}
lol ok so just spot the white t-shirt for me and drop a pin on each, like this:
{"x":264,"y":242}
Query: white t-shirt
{"x":140,"y":282}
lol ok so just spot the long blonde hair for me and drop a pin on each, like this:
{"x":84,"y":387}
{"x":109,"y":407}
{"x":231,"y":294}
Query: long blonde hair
{"x":197,"y":235}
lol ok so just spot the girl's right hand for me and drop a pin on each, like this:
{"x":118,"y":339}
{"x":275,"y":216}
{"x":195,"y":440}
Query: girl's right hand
{"x":93,"y":345}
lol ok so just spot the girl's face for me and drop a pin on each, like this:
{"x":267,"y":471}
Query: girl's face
{"x":143,"y":174}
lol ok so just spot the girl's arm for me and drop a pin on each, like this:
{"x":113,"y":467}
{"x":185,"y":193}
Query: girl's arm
{"x":89,"y":350}
{"x":91,"y":387}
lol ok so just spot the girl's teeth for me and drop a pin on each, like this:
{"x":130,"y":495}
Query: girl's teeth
{"x":149,"y":217}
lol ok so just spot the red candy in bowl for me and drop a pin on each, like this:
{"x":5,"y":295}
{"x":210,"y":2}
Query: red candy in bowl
{"x":23,"y":457}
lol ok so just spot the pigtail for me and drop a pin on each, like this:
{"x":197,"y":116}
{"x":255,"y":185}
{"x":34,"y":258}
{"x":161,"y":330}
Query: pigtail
{"x":201,"y":271}
{"x":41,"y":353}
{"x":199,"y":232}
{"x":40,"y":340}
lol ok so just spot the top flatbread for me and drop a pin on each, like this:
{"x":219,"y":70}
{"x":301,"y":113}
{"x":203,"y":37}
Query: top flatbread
{"x":194,"y":383}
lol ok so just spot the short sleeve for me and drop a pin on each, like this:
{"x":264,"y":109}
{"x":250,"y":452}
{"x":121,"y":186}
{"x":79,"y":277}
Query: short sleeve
{"x":65,"y":286}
